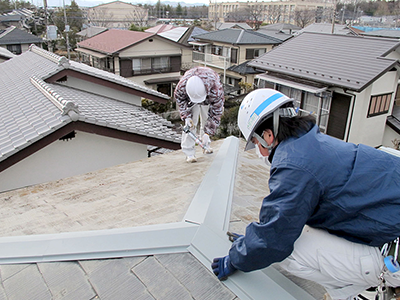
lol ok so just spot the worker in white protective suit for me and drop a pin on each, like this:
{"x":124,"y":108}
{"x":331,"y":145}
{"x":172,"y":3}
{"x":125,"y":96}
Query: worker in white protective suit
{"x":199,"y":95}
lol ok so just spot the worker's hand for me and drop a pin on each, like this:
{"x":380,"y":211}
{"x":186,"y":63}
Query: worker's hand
{"x":189,"y":122}
{"x":222,"y":267}
{"x":233,"y":236}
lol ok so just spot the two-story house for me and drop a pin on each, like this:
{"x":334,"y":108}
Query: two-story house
{"x":145,"y":58}
{"x":348,"y":82}
{"x":225,"y":50}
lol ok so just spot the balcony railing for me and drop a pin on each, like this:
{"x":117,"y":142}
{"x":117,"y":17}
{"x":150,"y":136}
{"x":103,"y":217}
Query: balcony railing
{"x":216,"y":61}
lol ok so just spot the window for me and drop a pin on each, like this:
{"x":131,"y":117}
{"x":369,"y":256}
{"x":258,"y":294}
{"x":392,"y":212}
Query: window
{"x":217,"y":50}
{"x":234,"y":54}
{"x":151,"y":65}
{"x":254,"y":53}
{"x":379,"y":105}
{"x":16,"y":49}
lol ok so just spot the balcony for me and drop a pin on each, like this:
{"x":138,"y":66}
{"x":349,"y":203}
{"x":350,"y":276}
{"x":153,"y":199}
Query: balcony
{"x":216,"y":61}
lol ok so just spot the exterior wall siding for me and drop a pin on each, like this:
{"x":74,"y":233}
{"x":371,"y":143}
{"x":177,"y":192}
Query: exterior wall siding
{"x":84,"y":153}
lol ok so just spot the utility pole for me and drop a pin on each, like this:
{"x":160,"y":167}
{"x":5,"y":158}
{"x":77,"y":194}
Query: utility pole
{"x":66,"y":30}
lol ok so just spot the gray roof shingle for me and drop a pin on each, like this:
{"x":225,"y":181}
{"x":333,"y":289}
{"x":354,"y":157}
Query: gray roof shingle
{"x":13,"y":35}
{"x":31,"y":108}
{"x":335,"y":60}
{"x":238,"y":37}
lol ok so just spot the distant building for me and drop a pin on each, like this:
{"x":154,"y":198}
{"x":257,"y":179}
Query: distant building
{"x":117,"y":14}
{"x":268,"y":11}
{"x":17,"y":40}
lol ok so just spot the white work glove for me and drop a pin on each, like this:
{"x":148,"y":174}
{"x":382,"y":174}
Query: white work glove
{"x":189,"y":122}
{"x":206,"y":141}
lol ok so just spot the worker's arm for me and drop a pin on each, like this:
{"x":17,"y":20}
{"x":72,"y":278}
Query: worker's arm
{"x":294,"y":195}
{"x":182,"y":99}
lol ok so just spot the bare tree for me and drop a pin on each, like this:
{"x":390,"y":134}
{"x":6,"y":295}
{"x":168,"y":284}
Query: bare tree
{"x":100,"y":17}
{"x":304,"y":17}
{"x":274,"y":14}
{"x":238,"y":15}
{"x":138,"y":17}
{"x":255,"y":13}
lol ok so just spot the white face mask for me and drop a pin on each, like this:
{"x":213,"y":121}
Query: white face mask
{"x":263,"y":158}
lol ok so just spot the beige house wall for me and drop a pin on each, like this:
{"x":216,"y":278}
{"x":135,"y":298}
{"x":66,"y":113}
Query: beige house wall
{"x":151,"y":47}
{"x":370,"y":131}
{"x":117,"y":14}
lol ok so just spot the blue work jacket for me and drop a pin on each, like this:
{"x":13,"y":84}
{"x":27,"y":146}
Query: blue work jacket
{"x":352,"y":191}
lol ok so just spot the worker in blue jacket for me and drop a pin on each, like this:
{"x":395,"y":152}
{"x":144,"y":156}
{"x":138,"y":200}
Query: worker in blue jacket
{"x":332,"y":205}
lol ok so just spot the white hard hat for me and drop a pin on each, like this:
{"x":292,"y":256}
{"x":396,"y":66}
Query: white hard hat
{"x":258,"y":106}
{"x":195,"y":89}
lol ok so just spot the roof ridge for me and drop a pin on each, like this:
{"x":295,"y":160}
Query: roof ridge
{"x":60,"y":60}
{"x":240,"y":36}
{"x":67,"y":107}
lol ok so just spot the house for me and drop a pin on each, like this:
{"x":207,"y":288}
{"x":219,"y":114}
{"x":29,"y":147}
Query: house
{"x":350,"y":90}
{"x":89,"y":32}
{"x":183,"y":36}
{"x":232,"y":25}
{"x":115,"y":234}
{"x":145,"y":58}
{"x":17,"y":40}
{"x":117,"y":14}
{"x":223,"y":49}
{"x":61,"y":118}
{"x":280,"y":31}
{"x":329,"y":28}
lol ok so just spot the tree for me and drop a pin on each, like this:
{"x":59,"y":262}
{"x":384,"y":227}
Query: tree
{"x":255,"y":15}
{"x":179,"y":10}
{"x":304,"y":17}
{"x":74,"y":20}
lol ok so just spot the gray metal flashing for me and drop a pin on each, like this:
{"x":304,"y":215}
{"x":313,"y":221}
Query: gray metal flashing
{"x":202,"y":233}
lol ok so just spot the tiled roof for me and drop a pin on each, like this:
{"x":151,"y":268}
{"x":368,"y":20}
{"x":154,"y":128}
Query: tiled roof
{"x":174,"y":34}
{"x":238,"y":37}
{"x":335,"y":60}
{"x":327,"y":28}
{"x":390,"y":33}
{"x":243,"y":69}
{"x":114,"y":40}
{"x":160,"y":28}
{"x":31,"y":109}
{"x":91,"y":31}
{"x":221,"y":26}
{"x":13,"y":35}
{"x":281,"y":27}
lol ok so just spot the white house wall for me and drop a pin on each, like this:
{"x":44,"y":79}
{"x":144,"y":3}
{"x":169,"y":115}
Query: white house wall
{"x":369,"y":131}
{"x":389,"y":136}
{"x":84,"y":153}
{"x":103,"y":90}
{"x":140,"y":79}
{"x":150,"y":49}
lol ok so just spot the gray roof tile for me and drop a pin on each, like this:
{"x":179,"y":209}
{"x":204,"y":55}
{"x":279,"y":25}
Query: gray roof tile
{"x":238,"y":37}
{"x":27,"y":114}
